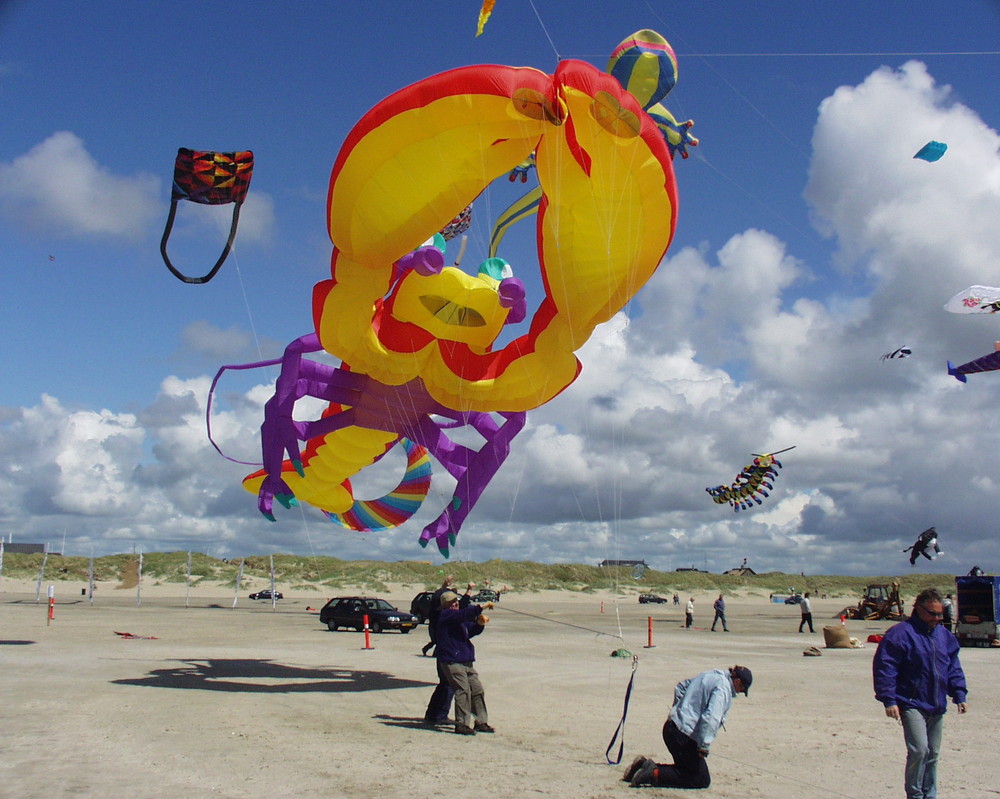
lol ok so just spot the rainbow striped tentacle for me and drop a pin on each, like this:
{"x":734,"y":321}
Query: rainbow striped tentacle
{"x":397,"y":506}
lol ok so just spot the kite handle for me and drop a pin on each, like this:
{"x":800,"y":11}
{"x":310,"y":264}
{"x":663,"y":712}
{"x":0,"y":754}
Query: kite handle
{"x":225,"y":252}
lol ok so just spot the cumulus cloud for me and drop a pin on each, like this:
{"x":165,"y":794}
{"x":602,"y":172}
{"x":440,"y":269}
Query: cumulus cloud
{"x":58,"y":186}
{"x":735,"y":349}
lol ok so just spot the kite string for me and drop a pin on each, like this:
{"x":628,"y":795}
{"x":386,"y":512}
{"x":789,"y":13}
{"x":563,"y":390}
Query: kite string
{"x":563,"y":623}
{"x":544,"y":29}
{"x":246,"y":303}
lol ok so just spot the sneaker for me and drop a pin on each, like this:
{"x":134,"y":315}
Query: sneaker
{"x":482,"y":726}
{"x":634,"y":767}
{"x":461,"y":729}
{"x":645,"y":775}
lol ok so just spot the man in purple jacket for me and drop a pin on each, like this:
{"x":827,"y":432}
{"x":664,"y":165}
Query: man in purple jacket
{"x":456,"y":657}
{"x":915,"y":670}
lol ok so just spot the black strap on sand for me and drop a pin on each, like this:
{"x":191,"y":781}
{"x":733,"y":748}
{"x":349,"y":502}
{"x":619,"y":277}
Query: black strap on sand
{"x":621,"y":724}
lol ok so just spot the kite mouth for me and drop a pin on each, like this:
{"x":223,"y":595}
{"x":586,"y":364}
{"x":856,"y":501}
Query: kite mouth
{"x":451,"y":313}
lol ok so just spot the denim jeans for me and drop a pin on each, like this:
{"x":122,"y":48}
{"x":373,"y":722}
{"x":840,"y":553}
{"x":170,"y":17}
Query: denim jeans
{"x":922,"y":733}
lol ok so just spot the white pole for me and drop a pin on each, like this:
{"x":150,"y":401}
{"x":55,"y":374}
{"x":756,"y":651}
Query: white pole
{"x":138,"y":585}
{"x":41,"y":575}
{"x":187,"y":584}
{"x":239,"y":578}
{"x":274,"y":600}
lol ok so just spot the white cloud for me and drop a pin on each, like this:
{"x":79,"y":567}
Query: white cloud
{"x":733,"y":353}
{"x":59,"y":186}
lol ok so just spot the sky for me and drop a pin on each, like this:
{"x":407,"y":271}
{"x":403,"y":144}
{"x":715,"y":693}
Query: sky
{"x":809,"y":242}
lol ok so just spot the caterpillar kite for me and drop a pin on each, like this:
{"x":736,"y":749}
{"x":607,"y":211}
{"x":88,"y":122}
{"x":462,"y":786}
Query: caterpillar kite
{"x":415,"y":337}
{"x":753,"y":482}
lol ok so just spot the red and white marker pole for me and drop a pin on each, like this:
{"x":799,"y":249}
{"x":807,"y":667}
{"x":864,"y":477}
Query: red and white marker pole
{"x":52,"y":605}
{"x":368,"y":634}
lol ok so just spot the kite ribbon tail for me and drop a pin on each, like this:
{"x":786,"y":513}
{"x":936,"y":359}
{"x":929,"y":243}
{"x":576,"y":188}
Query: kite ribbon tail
{"x":222,"y":258}
{"x":621,"y":724}
{"x":211,"y":393}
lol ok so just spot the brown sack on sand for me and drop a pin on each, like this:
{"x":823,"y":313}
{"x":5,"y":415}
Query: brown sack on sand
{"x":836,"y":637}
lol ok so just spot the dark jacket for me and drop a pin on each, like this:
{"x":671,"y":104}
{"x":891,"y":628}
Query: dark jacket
{"x":917,"y":666}
{"x":435,"y":612}
{"x":454,"y":629}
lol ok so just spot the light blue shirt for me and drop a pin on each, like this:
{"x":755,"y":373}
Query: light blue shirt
{"x":701,"y":705}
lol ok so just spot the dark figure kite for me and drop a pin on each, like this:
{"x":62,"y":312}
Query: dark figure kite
{"x":210,"y":179}
{"x":925,"y":542}
{"x":899,"y":352}
{"x":988,"y":363}
{"x":749,"y":483}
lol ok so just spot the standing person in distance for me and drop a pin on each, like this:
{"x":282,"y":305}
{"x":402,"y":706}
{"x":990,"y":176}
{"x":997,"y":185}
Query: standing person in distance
{"x":720,"y":614}
{"x":805,"y":606}
{"x":689,"y":613}
{"x":915,"y":670}
{"x":948,"y":607}
{"x":700,"y":707}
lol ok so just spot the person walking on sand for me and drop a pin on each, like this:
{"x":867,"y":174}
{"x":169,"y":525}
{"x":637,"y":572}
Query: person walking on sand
{"x":700,"y":707}
{"x":914,"y":671}
{"x":689,"y":613}
{"x":807,"y":613}
{"x":720,"y":614}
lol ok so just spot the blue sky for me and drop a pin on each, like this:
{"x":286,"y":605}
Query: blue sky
{"x":809,"y":242}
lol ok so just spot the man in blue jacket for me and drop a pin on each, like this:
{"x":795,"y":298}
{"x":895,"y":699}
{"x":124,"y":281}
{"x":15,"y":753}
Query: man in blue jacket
{"x":700,"y":707}
{"x":456,"y":657}
{"x":915,"y":670}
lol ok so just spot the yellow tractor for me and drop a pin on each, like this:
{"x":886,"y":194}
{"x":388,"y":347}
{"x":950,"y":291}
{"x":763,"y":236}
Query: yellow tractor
{"x":880,"y":601}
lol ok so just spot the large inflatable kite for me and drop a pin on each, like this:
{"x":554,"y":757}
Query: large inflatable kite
{"x":415,"y":337}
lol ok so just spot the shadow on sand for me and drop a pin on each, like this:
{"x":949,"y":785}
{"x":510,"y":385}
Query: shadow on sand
{"x":267,"y":677}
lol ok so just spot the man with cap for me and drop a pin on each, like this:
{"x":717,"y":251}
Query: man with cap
{"x":440,"y":701}
{"x":701,"y":704}
{"x":456,"y":657}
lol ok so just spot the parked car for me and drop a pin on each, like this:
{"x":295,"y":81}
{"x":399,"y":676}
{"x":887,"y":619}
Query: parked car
{"x":486,"y":595}
{"x":266,"y":594}
{"x":421,"y":606}
{"x":793,"y":600}
{"x":349,"y":611}
{"x":647,"y":599}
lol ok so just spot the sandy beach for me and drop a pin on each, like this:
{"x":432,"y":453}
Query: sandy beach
{"x":254,"y":701}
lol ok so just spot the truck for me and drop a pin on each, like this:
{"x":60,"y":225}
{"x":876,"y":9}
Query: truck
{"x":978,"y":600}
